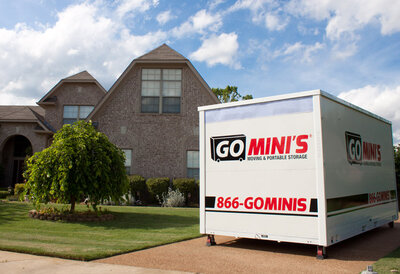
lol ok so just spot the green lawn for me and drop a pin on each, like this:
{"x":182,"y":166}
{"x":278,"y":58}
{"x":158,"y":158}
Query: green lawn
{"x":133,"y":228}
{"x":388,"y":263}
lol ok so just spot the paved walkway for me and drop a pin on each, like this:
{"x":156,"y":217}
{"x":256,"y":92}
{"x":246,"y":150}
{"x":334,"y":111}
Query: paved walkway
{"x":19,"y":263}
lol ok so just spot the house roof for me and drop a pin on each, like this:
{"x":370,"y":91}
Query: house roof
{"x":19,"y":113}
{"x":163,"y":52}
{"x":161,"y":55}
{"x":81,"y":77}
{"x":25,"y":114}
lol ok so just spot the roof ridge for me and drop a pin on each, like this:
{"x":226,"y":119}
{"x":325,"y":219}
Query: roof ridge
{"x":162,"y":52}
{"x":42,"y":121}
{"x":83,"y":75}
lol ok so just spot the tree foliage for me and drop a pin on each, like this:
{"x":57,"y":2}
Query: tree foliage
{"x":230,"y":94}
{"x":397,"y":164}
{"x":81,"y":162}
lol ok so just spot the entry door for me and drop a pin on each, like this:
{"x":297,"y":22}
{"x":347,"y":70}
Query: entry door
{"x":18,"y":170}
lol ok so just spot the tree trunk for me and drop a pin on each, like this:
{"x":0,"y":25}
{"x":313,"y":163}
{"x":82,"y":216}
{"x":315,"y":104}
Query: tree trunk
{"x":72,"y":204}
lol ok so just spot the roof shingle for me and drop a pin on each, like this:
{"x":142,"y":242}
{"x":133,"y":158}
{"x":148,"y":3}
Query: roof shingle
{"x":12,"y":113}
{"x":163,"y":52}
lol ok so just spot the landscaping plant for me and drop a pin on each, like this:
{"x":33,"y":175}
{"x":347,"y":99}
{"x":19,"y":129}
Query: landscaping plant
{"x":19,"y":190}
{"x":81,"y":162}
{"x":173,"y":198}
{"x":138,"y":187}
{"x":188,"y":187}
{"x":157,"y":187}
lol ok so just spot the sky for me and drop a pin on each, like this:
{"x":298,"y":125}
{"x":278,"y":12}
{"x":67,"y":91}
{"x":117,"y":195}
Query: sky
{"x":349,"y":48}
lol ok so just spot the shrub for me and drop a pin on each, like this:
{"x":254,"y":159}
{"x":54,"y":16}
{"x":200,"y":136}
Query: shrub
{"x":174,"y":198}
{"x":137,"y":186}
{"x":157,"y":186}
{"x":19,"y":190}
{"x":13,"y":198}
{"x":186,"y":186}
{"x":3,"y":194}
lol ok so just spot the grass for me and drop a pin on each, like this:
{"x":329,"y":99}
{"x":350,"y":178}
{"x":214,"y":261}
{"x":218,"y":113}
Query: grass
{"x":134,"y":228}
{"x":388,"y":263}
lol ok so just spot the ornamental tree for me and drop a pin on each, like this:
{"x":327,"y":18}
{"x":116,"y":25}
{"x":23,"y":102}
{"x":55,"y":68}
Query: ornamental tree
{"x":81,"y":162}
{"x":397,"y":167}
{"x":230,"y":94}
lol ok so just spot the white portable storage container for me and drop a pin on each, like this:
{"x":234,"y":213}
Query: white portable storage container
{"x":305,"y":168}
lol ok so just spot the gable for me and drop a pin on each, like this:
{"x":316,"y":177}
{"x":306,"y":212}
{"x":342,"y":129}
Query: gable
{"x":82,"y":77}
{"x":160,"y":57}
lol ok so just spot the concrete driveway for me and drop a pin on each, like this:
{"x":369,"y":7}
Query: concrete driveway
{"x":232,"y":255}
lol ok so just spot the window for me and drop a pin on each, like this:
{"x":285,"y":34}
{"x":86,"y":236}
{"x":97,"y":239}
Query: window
{"x":128,"y":160}
{"x":161,"y":90}
{"x":75,"y":113}
{"x":193,"y":164}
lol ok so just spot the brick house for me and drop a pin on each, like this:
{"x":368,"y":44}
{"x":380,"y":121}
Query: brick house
{"x":150,"y":112}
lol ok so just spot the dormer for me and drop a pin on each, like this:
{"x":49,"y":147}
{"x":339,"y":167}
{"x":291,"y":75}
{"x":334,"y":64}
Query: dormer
{"x":72,"y":99}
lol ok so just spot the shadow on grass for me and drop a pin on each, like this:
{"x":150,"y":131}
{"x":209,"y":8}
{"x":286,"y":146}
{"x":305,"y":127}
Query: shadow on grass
{"x":12,"y":212}
{"x":136,"y":220}
{"x":15,"y":212}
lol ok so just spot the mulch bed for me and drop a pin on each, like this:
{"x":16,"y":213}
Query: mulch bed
{"x":71,"y":217}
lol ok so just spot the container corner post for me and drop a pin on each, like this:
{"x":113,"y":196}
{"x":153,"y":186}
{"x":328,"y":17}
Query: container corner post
{"x":210,"y":240}
{"x":321,"y":252}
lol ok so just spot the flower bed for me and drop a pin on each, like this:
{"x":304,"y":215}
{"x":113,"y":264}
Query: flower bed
{"x":71,"y":217}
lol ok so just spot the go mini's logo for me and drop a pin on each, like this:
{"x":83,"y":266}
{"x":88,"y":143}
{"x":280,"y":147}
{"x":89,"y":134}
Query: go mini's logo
{"x":354,"y":148}
{"x":228,"y":148}
{"x":233,"y":148}
{"x":359,"y":152}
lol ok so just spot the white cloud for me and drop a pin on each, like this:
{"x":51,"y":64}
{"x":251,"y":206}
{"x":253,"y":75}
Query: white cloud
{"x":346,"y":17}
{"x":220,"y":49}
{"x":10,"y":99}
{"x":164,"y":17}
{"x":199,"y":23}
{"x":82,"y":38}
{"x":215,"y":3}
{"x":263,"y":12}
{"x":343,"y":19}
{"x":274,"y":22}
{"x":298,"y":51}
{"x":381,"y":100}
{"x":128,"y":6}
{"x":253,"y":5}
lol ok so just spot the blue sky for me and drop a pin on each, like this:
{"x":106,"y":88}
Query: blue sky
{"x":265,"y":47}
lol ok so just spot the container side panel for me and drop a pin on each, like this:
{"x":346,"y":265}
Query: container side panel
{"x":305,"y":232}
{"x":202,"y":171}
{"x":359,"y":176}
{"x":260,"y":171}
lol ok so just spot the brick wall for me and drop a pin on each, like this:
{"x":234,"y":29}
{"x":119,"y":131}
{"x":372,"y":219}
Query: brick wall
{"x":158,"y":141}
{"x":83,"y":94}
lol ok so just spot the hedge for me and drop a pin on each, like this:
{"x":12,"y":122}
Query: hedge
{"x":188,"y":187}
{"x":138,"y":187}
{"x":3,"y":194}
{"x":156,"y":187}
{"x":19,"y":189}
